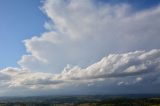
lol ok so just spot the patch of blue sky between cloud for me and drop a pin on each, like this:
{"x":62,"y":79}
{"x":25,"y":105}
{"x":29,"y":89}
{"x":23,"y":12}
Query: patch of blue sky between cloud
{"x":137,"y":5}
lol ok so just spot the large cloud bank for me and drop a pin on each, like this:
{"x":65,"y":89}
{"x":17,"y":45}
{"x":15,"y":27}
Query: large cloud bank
{"x":80,"y":33}
{"x":139,"y":68}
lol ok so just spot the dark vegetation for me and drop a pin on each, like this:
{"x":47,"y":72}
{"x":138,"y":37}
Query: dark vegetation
{"x":102,"y":100}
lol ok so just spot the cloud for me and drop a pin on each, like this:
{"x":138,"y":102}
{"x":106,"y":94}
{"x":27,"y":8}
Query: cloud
{"x":82,"y":32}
{"x":118,"y":70}
{"x":117,"y":66}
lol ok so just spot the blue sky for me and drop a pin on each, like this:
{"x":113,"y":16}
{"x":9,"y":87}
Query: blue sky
{"x":19,"y":20}
{"x":79,"y":47}
{"x":141,"y":4}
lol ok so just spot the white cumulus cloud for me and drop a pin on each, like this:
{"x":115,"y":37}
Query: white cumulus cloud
{"x":118,"y":70}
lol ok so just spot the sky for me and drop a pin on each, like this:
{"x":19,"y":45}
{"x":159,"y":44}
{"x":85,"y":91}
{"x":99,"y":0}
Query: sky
{"x":20,"y":19}
{"x":56,"y":47}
